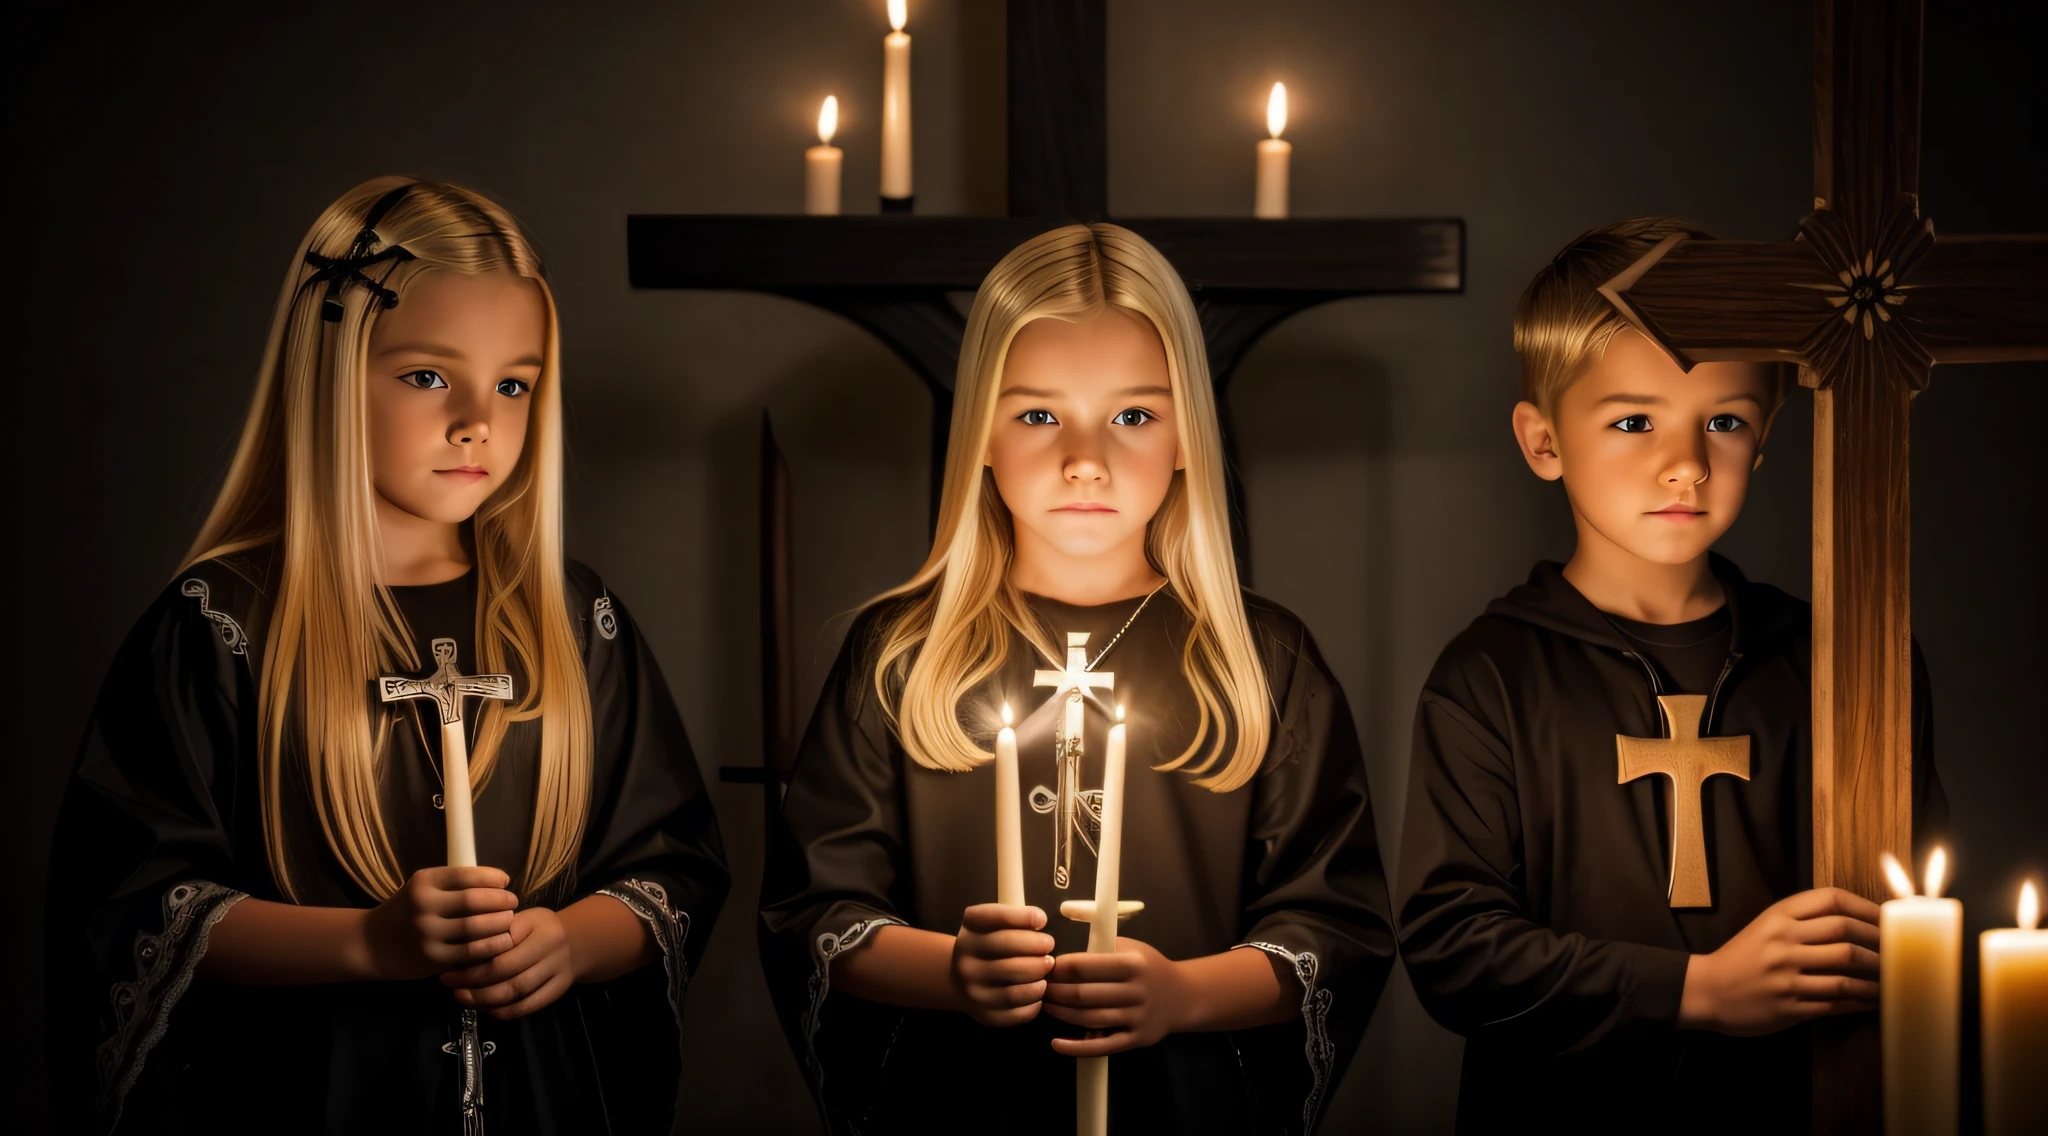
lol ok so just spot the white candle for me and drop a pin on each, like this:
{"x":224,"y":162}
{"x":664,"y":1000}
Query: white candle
{"x":896,"y":107}
{"x":1270,"y":201}
{"x":1920,"y":970}
{"x":2015,"y":979}
{"x":1009,"y":822}
{"x":1091,"y":1100}
{"x":822,"y":164}
{"x":456,"y":795}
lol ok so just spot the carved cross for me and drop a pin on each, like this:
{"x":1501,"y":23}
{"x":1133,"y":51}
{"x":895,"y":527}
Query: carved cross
{"x":1865,"y":301}
{"x":1688,"y":759}
{"x":447,"y":687}
{"x":1076,"y":682}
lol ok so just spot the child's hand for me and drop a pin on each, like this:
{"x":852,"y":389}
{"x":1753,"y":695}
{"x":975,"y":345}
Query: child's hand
{"x":441,"y":918}
{"x":539,"y":968}
{"x":1807,"y":956}
{"x":1131,"y":996}
{"x":1000,"y":960}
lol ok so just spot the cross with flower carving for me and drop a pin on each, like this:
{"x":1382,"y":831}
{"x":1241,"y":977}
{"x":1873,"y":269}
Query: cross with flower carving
{"x":1865,"y":301}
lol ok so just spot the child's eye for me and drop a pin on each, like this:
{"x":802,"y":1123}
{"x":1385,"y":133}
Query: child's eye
{"x":513,"y":388}
{"x":1634,"y":424}
{"x":425,"y":380}
{"x":1132,"y":417}
{"x":1038,"y":418}
{"x":1725,"y":423}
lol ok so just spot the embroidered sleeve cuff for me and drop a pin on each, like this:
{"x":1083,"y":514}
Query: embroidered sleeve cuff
{"x":1318,"y":1050}
{"x":670,"y":928}
{"x":164,"y":965}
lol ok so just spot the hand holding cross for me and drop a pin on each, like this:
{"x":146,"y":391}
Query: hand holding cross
{"x":1688,"y":759}
{"x":448,"y":686}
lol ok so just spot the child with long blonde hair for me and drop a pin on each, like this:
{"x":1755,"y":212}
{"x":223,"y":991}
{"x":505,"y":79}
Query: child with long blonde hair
{"x":1083,"y":509}
{"x":254,"y":924}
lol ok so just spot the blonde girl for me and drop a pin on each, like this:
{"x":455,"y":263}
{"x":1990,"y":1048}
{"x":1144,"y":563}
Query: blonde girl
{"x":1083,"y":501}
{"x":253,"y":921}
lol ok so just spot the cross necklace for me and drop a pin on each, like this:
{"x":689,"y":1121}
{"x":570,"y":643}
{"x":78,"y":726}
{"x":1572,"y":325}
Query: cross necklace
{"x":1077,"y":813}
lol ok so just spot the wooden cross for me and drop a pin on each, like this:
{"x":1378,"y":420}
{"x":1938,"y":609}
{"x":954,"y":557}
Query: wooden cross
{"x":891,"y":273}
{"x":447,"y":687}
{"x":1078,"y":683}
{"x":1688,"y":759}
{"x":1865,"y":301}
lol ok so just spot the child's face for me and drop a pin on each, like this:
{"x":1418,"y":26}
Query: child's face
{"x":451,"y":369}
{"x":1085,"y":441}
{"x":1655,"y":460}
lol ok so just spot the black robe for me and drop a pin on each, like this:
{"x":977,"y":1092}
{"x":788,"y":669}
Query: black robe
{"x":1532,"y":893}
{"x":1286,"y":864}
{"x":160,"y":833}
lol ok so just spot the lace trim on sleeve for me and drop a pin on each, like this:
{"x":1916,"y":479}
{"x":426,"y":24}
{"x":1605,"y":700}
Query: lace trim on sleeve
{"x":831,"y":946}
{"x":164,"y":965}
{"x":1315,"y":1016}
{"x":670,"y":928}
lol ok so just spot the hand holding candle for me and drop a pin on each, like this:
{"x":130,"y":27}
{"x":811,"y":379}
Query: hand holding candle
{"x":822,"y":164}
{"x":1920,"y":969}
{"x":2015,"y":980}
{"x":1270,"y":199}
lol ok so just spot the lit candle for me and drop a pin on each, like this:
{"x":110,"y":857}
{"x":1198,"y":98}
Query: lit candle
{"x":1920,"y":970}
{"x":1009,"y":824}
{"x":896,"y":113}
{"x":1271,"y":199}
{"x":2015,"y":979}
{"x":1091,"y":1100}
{"x":822,"y":162}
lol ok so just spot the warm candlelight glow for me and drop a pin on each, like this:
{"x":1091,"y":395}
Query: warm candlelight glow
{"x":1119,"y":711}
{"x":1276,"y":110}
{"x":1937,"y":871}
{"x":2030,"y":907}
{"x":1895,"y":875}
{"x":1006,"y":713}
{"x":896,"y":15}
{"x":828,"y":120}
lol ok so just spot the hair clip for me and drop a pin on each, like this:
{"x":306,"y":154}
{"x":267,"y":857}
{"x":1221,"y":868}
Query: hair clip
{"x":340,"y":270}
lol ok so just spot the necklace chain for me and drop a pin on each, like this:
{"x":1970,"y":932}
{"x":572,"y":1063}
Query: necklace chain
{"x":1114,"y":639}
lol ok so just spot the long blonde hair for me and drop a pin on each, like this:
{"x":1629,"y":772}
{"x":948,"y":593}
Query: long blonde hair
{"x":301,"y":478}
{"x":950,"y":630}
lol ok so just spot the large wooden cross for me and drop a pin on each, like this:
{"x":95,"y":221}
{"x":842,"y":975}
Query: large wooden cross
{"x":891,"y":273}
{"x":1866,"y":300}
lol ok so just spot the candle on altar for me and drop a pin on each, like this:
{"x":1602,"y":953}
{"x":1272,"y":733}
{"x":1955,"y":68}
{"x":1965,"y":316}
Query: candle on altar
{"x":1270,"y":200}
{"x":822,"y":163}
{"x":1920,"y":971}
{"x":1009,"y":822}
{"x":896,"y":185}
{"x":2014,"y":963}
{"x":1091,"y":1098}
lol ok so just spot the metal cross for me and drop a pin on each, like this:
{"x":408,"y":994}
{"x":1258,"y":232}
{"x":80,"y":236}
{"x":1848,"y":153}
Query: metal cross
{"x":448,"y":686}
{"x":1076,"y":682}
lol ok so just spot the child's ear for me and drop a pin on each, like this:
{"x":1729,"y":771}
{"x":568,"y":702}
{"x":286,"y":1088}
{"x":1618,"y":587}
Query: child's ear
{"x":1538,"y":442}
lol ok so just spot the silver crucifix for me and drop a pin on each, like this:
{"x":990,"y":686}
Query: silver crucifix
{"x":1072,"y":812}
{"x":448,"y":686}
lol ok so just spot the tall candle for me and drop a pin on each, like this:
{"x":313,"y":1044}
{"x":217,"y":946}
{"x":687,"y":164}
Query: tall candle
{"x":1270,"y":200}
{"x":1091,"y":1099}
{"x":1009,"y":823}
{"x":1920,"y":971}
{"x":822,"y":163}
{"x":896,"y":184}
{"x":2015,"y":979}
{"x":456,"y":795}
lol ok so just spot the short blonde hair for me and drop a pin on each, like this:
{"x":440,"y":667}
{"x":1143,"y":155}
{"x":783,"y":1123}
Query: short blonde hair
{"x":1563,"y":323}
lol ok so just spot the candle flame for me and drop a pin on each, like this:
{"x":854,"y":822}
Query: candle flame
{"x":2030,"y":907}
{"x":1895,"y":874}
{"x":1119,"y":711}
{"x":1006,"y":714}
{"x":828,"y":120}
{"x":896,"y":15}
{"x":1937,"y":871}
{"x":1276,"y":110}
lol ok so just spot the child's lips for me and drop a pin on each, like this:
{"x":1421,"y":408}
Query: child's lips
{"x":1085,"y":507}
{"x":1679,"y":513}
{"x":467,"y":472}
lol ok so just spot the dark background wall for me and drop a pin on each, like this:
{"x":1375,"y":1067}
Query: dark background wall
{"x":165,"y":163}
